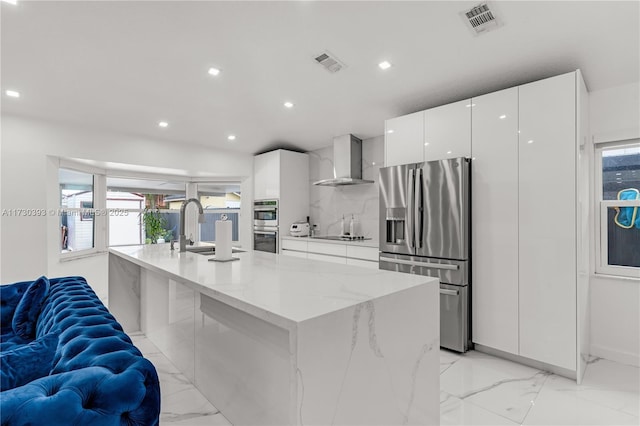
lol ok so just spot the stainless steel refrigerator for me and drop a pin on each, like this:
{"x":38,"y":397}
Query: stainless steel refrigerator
{"x":425,"y":230}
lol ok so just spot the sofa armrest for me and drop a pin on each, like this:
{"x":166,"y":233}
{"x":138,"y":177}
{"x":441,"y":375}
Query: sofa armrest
{"x":10,"y":296}
{"x":87,"y":396}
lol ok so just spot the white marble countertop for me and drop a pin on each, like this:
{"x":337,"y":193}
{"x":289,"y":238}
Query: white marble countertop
{"x":283,"y":290}
{"x":360,"y":243}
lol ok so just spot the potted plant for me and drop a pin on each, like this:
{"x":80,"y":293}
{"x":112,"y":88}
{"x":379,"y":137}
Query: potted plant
{"x":154,"y":226}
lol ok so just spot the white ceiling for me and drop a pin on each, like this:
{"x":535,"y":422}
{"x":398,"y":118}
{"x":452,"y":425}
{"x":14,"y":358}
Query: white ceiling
{"x":124,"y":66}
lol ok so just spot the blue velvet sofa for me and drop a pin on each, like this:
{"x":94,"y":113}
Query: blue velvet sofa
{"x":67,"y":361}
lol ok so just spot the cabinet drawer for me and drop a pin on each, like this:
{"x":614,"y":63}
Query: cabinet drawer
{"x":362,"y":263}
{"x":333,"y":249}
{"x":294,"y":245}
{"x":364,"y":253}
{"x":326,"y":258}
{"x":293,"y":253}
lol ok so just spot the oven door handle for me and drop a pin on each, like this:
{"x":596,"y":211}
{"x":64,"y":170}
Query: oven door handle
{"x":265,"y":232}
{"x":265,"y":209}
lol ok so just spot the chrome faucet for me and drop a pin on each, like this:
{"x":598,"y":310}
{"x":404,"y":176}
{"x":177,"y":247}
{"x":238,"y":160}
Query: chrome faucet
{"x":183,"y":237}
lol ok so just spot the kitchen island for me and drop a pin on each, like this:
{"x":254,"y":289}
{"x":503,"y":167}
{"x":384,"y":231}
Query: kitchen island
{"x":272,"y":339}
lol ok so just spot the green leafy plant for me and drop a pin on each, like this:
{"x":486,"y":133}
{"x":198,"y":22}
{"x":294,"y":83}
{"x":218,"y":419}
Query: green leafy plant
{"x":154,"y":225}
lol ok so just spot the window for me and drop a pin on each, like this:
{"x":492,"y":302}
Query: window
{"x":76,"y":212}
{"x":143,"y":211}
{"x":218,"y":199}
{"x":618,"y":212}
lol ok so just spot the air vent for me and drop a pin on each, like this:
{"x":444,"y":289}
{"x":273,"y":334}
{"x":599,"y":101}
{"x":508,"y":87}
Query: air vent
{"x":329,"y":62}
{"x":481,"y":19}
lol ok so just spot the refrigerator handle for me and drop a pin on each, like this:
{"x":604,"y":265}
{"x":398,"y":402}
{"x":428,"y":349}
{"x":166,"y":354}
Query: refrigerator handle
{"x":411,"y":218}
{"x":419,"y":210}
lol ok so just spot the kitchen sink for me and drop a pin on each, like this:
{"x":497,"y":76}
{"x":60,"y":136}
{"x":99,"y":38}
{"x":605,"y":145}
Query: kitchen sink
{"x":210,"y":251}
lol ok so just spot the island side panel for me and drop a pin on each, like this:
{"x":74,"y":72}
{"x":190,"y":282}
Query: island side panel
{"x":124,"y":293}
{"x":243,"y":364}
{"x":375,"y":363}
{"x":168,"y":319}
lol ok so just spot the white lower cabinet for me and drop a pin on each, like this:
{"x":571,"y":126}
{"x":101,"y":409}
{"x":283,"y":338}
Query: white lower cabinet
{"x":362,"y":263}
{"x":293,"y":253}
{"x":363,"y":253}
{"x":327,"y":258}
{"x":331,"y":249}
{"x":344,"y":253}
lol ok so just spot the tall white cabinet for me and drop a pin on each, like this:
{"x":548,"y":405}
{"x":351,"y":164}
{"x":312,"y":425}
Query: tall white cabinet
{"x":525,"y":284}
{"x":494,"y":210}
{"x":547,"y":216}
{"x":529,"y":296}
{"x":283,"y":175}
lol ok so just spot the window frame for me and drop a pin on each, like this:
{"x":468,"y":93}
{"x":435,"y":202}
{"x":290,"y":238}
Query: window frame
{"x":99,"y":220}
{"x":602,"y":266}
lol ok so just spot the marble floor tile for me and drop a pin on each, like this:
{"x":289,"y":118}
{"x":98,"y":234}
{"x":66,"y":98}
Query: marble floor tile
{"x":606,"y":383}
{"x":502,"y":387}
{"x":447,"y":359}
{"x":455,"y":411}
{"x":189,"y":407}
{"x":561,"y":408}
{"x":145,"y":345}
{"x":476,"y":389}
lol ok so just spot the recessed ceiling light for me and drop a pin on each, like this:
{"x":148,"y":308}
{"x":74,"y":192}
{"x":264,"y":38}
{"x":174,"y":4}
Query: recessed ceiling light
{"x":231,"y":137}
{"x":470,"y":105}
{"x":502,"y":117}
{"x":288,"y":104}
{"x":618,"y":174}
{"x":449,"y":152}
{"x":373,"y":163}
{"x":384,"y":65}
{"x":426,"y":144}
{"x":390,"y":131}
{"x":13,"y":2}
{"x":163,"y":124}
{"x":12,"y":93}
{"x":214,"y":71}
{"x":530,"y":141}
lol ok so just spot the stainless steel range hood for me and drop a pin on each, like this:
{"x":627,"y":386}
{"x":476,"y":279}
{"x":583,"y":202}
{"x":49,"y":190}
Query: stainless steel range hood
{"x":347,"y":162}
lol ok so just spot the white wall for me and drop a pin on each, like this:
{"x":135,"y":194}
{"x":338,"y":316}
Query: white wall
{"x":328,"y":204}
{"x":29,"y":181}
{"x":615,"y":303}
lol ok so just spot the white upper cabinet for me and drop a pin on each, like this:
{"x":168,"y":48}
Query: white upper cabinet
{"x":447,"y":131}
{"x":266,"y":172}
{"x":547,"y":217}
{"x":404,"y":139}
{"x":495,"y":220}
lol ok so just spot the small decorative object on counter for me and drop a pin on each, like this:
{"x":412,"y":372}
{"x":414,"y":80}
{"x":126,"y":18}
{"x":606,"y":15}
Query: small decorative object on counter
{"x":351,"y":226}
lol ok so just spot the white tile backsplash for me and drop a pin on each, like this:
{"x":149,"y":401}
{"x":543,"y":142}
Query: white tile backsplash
{"x":329,"y":204}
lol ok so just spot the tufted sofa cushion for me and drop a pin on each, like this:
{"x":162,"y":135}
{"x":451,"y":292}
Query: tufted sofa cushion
{"x":27,"y":362}
{"x":28,"y":309}
{"x":10,"y":296}
{"x":97,"y":376}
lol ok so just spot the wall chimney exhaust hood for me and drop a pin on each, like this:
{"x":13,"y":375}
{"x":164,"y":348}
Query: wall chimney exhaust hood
{"x":347,"y":162}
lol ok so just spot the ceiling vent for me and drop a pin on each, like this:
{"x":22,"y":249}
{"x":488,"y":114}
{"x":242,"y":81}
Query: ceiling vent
{"x":481,"y":19}
{"x":329,"y":62}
